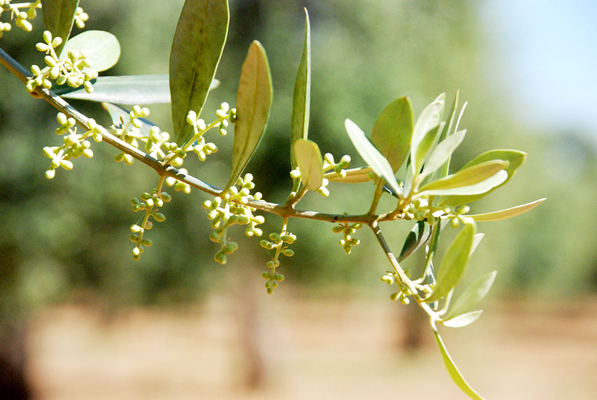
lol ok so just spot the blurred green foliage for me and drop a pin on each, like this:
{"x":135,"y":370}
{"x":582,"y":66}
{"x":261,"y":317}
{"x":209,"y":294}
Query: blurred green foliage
{"x":68,"y":237}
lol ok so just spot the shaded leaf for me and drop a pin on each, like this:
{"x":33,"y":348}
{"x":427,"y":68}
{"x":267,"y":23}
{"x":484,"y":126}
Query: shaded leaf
{"x":463,"y":320}
{"x":301,"y":101}
{"x":507,"y":213}
{"x":196,"y":50}
{"x":129,"y":90}
{"x":454,"y":263}
{"x":417,"y":237}
{"x":515,"y":159}
{"x":353,"y":175}
{"x":453,"y":370}
{"x":371,"y":155}
{"x":473,"y":180}
{"x":253,"y":103}
{"x":472,"y":295}
{"x":101,"y":48}
{"x":310,"y":163}
{"x":428,"y":120}
{"x":392,"y":132}
{"x":59,"y":16}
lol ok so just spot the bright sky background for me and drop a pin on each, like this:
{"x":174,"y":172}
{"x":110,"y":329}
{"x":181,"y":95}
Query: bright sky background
{"x":547,"y":57}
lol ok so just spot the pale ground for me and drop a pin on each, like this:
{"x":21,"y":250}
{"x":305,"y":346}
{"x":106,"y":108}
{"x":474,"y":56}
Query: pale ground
{"x":314,"y":349}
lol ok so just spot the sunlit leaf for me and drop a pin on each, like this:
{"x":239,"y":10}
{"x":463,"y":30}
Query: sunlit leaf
{"x":507,"y":213}
{"x":129,"y":90}
{"x":463,"y":320}
{"x":101,"y":48}
{"x":393,"y":131}
{"x":427,"y":145}
{"x":59,"y":16}
{"x":301,"y":102}
{"x":310,"y":163}
{"x":253,"y":103}
{"x":196,"y":50}
{"x":371,"y":155}
{"x":453,"y":370}
{"x":472,"y":295}
{"x":515,"y":159}
{"x":442,"y":153}
{"x":353,"y":175}
{"x":454,"y":263}
{"x":428,"y":120}
{"x":472,"y":180}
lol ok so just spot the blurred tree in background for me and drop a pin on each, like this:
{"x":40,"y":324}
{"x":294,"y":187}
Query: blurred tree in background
{"x":66,"y":240}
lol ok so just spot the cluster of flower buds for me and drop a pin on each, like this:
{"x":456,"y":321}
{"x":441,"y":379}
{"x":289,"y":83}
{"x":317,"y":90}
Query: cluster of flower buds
{"x":74,"y":70}
{"x":151,"y":204}
{"x":75,"y":145}
{"x":277,"y":242}
{"x":232,"y":209}
{"x":348,"y":230}
{"x":402,"y":294}
{"x":198,"y":145}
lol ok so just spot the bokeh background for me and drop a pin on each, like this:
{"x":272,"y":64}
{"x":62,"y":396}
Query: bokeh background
{"x":80,"y":319}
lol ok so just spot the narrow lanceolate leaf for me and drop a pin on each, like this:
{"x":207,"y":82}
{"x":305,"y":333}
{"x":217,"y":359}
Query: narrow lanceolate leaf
{"x":428,"y":120}
{"x":473,"y":180}
{"x":417,"y":237}
{"x":427,"y":145}
{"x":463,"y":319}
{"x":353,"y":175}
{"x":59,"y":16}
{"x":101,"y":48}
{"x":196,"y":50}
{"x":472,"y":295}
{"x":310,"y":163}
{"x":507,"y":213}
{"x":253,"y":103}
{"x":129,"y":90}
{"x":454,"y":263}
{"x":371,"y":155}
{"x":393,"y":130}
{"x":453,"y":370}
{"x":450,"y":128}
{"x":301,"y":102}
{"x":515,"y":159}
{"x":442,"y":153}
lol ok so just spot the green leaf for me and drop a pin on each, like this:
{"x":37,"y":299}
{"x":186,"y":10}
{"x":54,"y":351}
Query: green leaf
{"x":442,"y":153}
{"x":427,"y":145}
{"x":472,"y":180}
{"x":454,"y":263}
{"x":353,"y":175}
{"x":515,"y":159}
{"x":449,"y":129}
{"x":453,"y":370}
{"x":507,"y":213}
{"x":463,"y":319}
{"x":253,"y":103}
{"x":428,"y":120}
{"x":301,"y":102}
{"x":310,"y":163}
{"x":417,"y":237}
{"x":129,"y":90}
{"x":196,"y":50}
{"x":472,"y":295}
{"x":393,"y":130}
{"x":371,"y":155}
{"x":102,"y":48}
{"x":59,"y":16}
